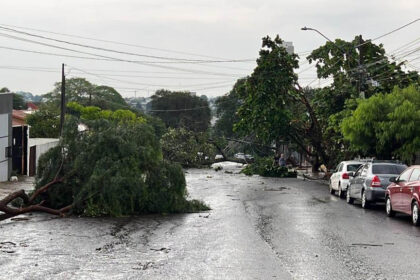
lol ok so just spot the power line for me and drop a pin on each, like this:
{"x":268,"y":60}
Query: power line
{"x":54,"y":54}
{"x":184,"y":60}
{"x":125,"y":44}
{"x":113,"y":42}
{"x":114,"y":58}
{"x":163,"y":77}
{"x":388,"y":33}
{"x":144,"y":84}
{"x":27,"y":69}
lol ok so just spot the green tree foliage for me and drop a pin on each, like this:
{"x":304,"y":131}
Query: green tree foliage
{"x":115,"y":168}
{"x":87,"y":113}
{"x":358,"y":65}
{"x":87,"y":94}
{"x":367,"y":69}
{"x":266,"y":98}
{"x":186,"y":147}
{"x":181,"y":109}
{"x":386,"y":125}
{"x":275,"y":108}
{"x":18,"y":102}
{"x":45,"y":122}
{"x":226,"y":108}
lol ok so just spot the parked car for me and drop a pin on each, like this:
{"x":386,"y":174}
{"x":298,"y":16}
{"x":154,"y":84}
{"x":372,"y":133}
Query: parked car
{"x":339,"y":180}
{"x":246,"y":157}
{"x":368,"y":184}
{"x":402,"y":195}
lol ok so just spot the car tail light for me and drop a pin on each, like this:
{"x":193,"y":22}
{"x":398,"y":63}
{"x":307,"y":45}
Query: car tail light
{"x":376,"y":182}
{"x":345,"y":176}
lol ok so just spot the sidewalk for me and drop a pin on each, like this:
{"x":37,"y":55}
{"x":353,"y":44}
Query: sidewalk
{"x":25,"y":182}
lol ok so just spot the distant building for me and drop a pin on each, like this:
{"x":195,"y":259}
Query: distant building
{"x":31,"y":106}
{"x":289,"y":47}
{"x":6,"y":107}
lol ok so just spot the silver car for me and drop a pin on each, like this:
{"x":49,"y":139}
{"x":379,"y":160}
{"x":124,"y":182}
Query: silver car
{"x":368,"y":184}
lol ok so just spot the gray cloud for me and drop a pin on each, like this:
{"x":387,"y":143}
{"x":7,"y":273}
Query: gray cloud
{"x":227,"y":29}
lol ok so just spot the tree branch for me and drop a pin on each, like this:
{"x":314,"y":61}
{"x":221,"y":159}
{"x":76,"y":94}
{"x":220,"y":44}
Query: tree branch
{"x":43,"y":189}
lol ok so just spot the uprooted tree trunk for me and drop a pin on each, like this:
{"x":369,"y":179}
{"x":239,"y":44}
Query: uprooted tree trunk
{"x":28,"y":203}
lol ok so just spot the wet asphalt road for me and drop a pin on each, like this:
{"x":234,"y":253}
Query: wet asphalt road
{"x":258,"y":228}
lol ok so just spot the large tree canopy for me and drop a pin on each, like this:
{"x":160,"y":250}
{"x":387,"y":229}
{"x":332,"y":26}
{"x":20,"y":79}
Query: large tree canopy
{"x":226,"y":108}
{"x":266,"y":99}
{"x":386,"y":125}
{"x":354,"y":67}
{"x":181,"y":109}
{"x":359,"y":65}
{"x":87,"y":94}
{"x":275,"y":108}
{"x":115,"y":168}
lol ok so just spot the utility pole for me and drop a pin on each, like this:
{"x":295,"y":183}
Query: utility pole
{"x":361,"y":71}
{"x":63,"y":99}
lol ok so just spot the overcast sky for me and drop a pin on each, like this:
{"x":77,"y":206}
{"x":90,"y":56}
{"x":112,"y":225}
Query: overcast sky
{"x":213,"y":29}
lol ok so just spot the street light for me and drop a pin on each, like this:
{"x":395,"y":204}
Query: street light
{"x":317,"y":31}
{"x":343,"y":51}
{"x":313,"y":29}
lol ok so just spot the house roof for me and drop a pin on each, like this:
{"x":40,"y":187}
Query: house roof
{"x":18,"y":117}
{"x":31,"y":106}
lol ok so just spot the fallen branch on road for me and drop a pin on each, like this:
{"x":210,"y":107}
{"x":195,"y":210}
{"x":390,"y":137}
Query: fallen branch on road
{"x":10,"y":212}
{"x":28,"y":202}
{"x":323,"y":178}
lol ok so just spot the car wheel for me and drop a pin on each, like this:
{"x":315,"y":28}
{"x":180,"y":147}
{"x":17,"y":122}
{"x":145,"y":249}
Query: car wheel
{"x":332,"y":191}
{"x":365,"y":203}
{"x":349,"y":199}
{"x":340,"y":191}
{"x":388,"y":207}
{"x":415,"y":214}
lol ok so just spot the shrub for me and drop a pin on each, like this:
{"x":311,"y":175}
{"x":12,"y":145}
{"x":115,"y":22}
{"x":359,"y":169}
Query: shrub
{"x":264,"y":167}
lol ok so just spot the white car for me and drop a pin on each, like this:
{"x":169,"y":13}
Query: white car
{"x":243,"y":156}
{"x":340,"y":178}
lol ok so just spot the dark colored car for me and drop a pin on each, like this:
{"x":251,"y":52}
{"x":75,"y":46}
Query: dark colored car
{"x":402,"y":195}
{"x":368,"y":184}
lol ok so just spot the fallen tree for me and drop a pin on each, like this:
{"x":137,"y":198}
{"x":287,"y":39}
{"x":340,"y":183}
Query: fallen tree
{"x":114,"y":168}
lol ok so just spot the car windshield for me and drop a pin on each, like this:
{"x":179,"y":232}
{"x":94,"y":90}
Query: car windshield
{"x":352,"y":167}
{"x":388,"y":168}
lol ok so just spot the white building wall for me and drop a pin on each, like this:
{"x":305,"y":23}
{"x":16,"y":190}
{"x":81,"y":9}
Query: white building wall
{"x":4,"y":142}
{"x":42,"y":146}
{"x":42,"y":149}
